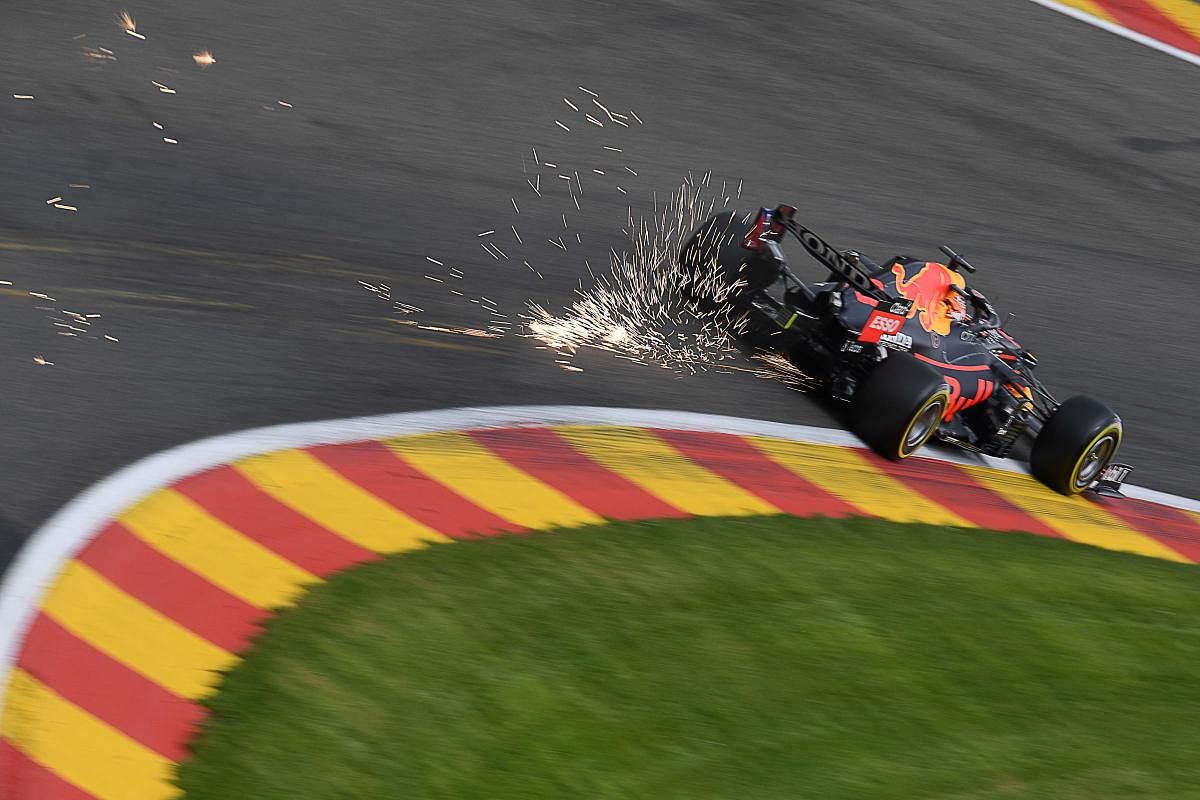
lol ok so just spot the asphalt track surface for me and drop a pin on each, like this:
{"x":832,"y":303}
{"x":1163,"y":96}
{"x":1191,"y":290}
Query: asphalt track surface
{"x":1059,"y":158}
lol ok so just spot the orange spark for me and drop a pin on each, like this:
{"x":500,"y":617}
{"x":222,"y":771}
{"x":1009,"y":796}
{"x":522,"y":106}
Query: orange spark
{"x":127,"y":23}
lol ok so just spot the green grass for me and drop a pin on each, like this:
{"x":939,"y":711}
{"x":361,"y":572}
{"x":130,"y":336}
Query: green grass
{"x":723,"y":658}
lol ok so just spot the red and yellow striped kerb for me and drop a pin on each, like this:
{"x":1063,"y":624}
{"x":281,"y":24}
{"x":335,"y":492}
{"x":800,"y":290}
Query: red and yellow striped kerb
{"x":1172,"y":22}
{"x":137,"y":626}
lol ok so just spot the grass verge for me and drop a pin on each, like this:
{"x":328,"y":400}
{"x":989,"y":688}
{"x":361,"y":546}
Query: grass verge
{"x":767,"y":657}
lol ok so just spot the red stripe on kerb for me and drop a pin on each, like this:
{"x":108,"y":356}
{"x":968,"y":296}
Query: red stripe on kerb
{"x":108,"y":690}
{"x":172,"y":589}
{"x":22,"y":778}
{"x":1164,"y":524}
{"x":740,"y":463}
{"x":227,"y":495}
{"x":1146,"y":18}
{"x":948,"y":485}
{"x":552,"y":460}
{"x":376,"y":468}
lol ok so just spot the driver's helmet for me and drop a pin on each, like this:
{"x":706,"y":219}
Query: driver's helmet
{"x":956,"y":304}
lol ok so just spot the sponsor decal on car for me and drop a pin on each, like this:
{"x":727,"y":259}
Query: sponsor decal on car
{"x":824,"y":252}
{"x":896,"y":341}
{"x":1110,"y":480}
{"x":881,"y":323}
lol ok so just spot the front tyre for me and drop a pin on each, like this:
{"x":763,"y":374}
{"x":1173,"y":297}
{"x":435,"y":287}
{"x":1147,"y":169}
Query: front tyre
{"x":899,"y":406}
{"x":1077,"y":442}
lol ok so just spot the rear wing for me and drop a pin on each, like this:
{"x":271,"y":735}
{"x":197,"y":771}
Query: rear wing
{"x":772,"y":222}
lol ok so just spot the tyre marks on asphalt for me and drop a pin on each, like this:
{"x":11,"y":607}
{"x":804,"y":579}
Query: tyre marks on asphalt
{"x":139,"y":625}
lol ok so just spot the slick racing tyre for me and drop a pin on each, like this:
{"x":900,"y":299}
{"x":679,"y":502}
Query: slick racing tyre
{"x":1075,"y":445}
{"x":899,"y":406}
{"x":713,"y":268}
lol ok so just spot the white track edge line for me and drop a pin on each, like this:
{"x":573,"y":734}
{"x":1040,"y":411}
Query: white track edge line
{"x":64,"y":534}
{"x":1121,"y":31}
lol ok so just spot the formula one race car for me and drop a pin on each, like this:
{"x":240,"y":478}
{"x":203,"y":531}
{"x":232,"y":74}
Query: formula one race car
{"x":910,"y":349}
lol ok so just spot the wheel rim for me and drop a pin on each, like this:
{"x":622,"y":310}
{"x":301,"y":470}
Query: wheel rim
{"x":923,"y":425}
{"x":1095,"y":459}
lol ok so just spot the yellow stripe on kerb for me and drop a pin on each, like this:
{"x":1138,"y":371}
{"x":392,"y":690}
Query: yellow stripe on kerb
{"x":1184,"y":13}
{"x":80,"y":748}
{"x":1088,"y":7}
{"x":174,"y":525}
{"x":85,"y":603}
{"x":304,"y":483}
{"x":844,"y":473}
{"x":647,"y":461}
{"x":458,"y":462}
{"x":1073,"y":517}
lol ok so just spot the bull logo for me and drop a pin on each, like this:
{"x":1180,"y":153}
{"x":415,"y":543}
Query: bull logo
{"x":933,"y":295}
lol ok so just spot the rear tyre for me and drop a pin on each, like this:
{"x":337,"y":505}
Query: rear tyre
{"x":1075,"y":445}
{"x":899,"y":406}
{"x":715,"y":271}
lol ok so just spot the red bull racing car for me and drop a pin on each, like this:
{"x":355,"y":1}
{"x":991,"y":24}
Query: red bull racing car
{"x":910,"y":349}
